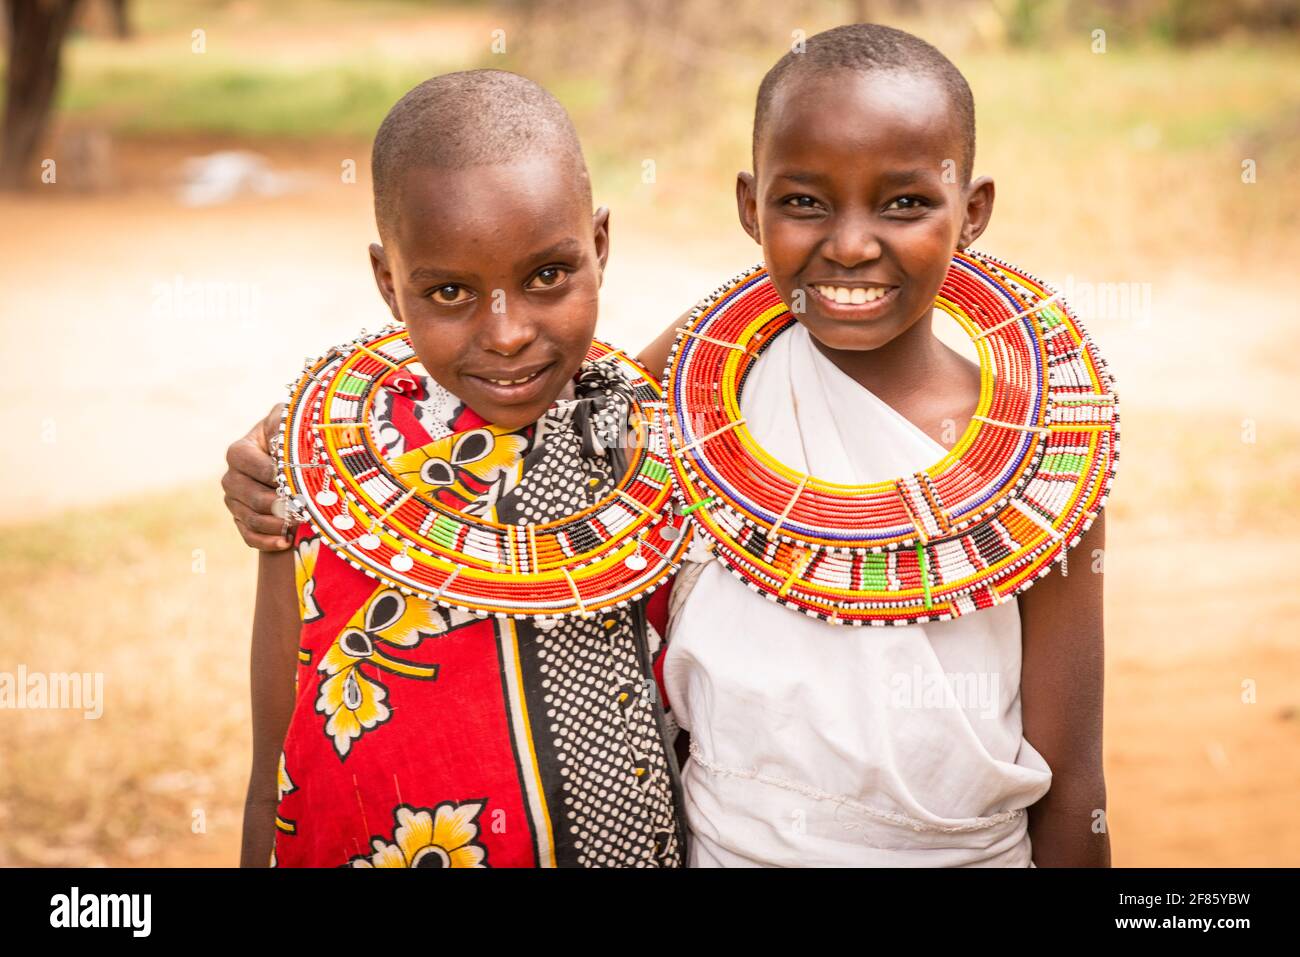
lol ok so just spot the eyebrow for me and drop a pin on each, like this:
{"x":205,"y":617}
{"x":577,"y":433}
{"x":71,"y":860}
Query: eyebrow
{"x":812,"y":179}
{"x":891,"y":178}
{"x":432,"y":272}
{"x":901,"y":176}
{"x":565,"y":247}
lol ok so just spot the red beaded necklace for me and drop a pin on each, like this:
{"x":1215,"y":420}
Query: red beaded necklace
{"x":1018,"y":489}
{"x":609,"y":554}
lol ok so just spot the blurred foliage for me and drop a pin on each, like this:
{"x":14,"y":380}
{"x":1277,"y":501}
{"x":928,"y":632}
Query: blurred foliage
{"x":1032,"y":22}
{"x":663,"y":90}
{"x":347,"y":100}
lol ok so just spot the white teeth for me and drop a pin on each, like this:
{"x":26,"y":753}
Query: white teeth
{"x":856,"y":295}
{"x":511,"y":381}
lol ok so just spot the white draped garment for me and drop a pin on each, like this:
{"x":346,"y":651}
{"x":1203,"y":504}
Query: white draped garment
{"x":821,"y":745}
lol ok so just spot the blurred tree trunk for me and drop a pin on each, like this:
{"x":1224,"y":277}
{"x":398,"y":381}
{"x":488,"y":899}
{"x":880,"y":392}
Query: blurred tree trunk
{"x":121,"y":22}
{"x":36,"y":31}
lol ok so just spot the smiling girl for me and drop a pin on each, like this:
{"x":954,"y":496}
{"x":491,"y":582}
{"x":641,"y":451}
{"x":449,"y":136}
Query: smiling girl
{"x":970,"y":741}
{"x":453,"y":667}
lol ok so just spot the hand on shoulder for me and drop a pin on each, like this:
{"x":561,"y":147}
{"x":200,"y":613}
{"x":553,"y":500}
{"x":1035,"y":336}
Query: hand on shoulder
{"x":249,"y":485}
{"x":655,"y":356}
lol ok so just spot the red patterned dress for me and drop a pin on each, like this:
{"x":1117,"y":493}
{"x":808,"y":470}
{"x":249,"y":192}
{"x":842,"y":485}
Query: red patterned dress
{"x":427,"y":737}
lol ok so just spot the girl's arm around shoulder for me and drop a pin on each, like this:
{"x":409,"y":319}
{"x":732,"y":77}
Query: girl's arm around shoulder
{"x":655,"y":356}
{"x":1061,"y":706}
{"x":274,"y":658}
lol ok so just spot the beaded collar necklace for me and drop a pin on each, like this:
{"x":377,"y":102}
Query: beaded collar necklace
{"x":1021,"y":486}
{"x":606,"y":555}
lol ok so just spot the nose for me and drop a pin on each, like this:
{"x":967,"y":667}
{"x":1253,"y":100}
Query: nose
{"x":507,"y":332}
{"x":852,"y":242}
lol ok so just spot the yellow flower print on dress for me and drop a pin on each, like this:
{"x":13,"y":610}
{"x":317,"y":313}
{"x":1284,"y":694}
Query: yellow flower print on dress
{"x":283,"y":783}
{"x":354,"y":701}
{"x":283,"y":786}
{"x":468,"y":471}
{"x":304,"y":568}
{"x":444,"y":836}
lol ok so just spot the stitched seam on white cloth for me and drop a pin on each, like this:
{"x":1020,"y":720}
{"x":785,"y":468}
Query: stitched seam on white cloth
{"x":816,"y":793}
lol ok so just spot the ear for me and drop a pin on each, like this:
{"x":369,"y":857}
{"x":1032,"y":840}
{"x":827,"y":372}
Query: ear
{"x":600,"y":226}
{"x":384,"y":279}
{"x":979,"y":210}
{"x":747,"y":205}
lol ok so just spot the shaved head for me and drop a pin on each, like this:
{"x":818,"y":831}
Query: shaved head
{"x":871,"y":48}
{"x":472,"y":118}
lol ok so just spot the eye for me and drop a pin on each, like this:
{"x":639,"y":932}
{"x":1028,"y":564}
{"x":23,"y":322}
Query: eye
{"x":548,"y":278}
{"x":450,"y":295}
{"x":908,"y":203}
{"x":800,"y":202}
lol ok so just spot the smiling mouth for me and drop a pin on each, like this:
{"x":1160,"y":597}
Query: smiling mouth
{"x":851,"y":295}
{"x":852,"y":302}
{"x":512,"y":388}
{"x":528,"y":378}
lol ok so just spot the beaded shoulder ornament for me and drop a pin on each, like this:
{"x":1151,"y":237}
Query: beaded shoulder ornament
{"x":333,"y":473}
{"x":1020,"y":487}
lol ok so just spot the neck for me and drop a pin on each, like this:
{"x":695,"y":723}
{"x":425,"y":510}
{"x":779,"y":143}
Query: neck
{"x":897,"y":367}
